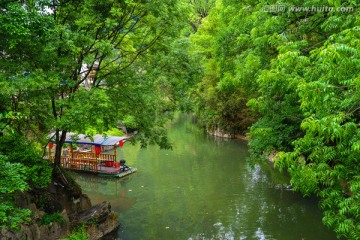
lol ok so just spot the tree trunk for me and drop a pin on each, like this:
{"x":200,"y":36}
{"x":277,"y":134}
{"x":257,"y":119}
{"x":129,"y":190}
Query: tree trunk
{"x":60,"y":137}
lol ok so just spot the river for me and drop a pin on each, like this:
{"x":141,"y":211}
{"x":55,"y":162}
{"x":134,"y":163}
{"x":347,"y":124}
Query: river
{"x":204,"y":189}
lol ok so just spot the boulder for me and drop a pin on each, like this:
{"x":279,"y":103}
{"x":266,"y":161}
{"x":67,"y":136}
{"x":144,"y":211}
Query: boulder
{"x":99,"y":219}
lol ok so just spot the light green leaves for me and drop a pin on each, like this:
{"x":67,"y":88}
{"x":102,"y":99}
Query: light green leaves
{"x":11,"y":179}
{"x":299,"y":72}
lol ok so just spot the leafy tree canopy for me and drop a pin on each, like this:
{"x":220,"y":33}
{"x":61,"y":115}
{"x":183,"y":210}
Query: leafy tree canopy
{"x":294,"y":73}
{"x":83,"y":66}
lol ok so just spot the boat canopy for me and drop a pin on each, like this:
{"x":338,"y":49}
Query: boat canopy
{"x":97,"y":139}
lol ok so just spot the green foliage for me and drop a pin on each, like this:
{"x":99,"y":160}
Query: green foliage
{"x":12,"y":179}
{"x":297,"y":75}
{"x":175,"y":69}
{"x":57,"y":46}
{"x":12,"y":176}
{"x":79,"y":234}
{"x":22,"y":169}
{"x":37,"y":171}
{"x":130,"y":123}
{"x":290,"y":80}
{"x":52,"y":218}
{"x":114,"y":132}
{"x":199,"y":10}
{"x":11,"y":216}
{"x":229,"y":69}
{"x":324,"y":161}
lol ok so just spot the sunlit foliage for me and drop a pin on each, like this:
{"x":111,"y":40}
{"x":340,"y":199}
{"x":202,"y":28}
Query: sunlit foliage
{"x":298,"y":71}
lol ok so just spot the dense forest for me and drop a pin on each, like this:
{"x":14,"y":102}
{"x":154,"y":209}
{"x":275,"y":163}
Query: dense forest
{"x":290,"y":75}
{"x":286,"y":75}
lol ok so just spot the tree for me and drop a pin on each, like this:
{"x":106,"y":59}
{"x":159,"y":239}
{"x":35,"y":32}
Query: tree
{"x":232,"y":60}
{"x":325,"y":160}
{"x":81,"y":66}
{"x":299,"y":71}
{"x":20,"y":160}
{"x":83,"y":63}
{"x":200,"y":10}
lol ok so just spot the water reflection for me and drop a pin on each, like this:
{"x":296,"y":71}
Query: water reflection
{"x":109,"y":189}
{"x":204,"y":189}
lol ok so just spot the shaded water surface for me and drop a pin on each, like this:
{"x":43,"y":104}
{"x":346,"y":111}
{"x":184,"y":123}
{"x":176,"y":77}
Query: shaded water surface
{"x":204,"y":189}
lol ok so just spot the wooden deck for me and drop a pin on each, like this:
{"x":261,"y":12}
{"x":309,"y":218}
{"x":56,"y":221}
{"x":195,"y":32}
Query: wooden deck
{"x":88,"y":162}
{"x":96,"y":166}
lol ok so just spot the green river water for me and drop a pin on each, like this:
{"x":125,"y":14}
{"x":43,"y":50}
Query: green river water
{"x":204,"y":189}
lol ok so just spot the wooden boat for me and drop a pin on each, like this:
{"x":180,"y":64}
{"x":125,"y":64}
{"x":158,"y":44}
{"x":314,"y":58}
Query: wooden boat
{"x":96,"y":155}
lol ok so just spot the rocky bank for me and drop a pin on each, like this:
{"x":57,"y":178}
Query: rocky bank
{"x":64,"y":199}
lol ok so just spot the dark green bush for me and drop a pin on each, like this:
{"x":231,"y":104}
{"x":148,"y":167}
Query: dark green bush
{"x":55,"y":217}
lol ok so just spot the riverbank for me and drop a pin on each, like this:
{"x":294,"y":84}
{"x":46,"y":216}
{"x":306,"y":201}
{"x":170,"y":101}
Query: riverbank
{"x":220,"y":133}
{"x":61,"y":209}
